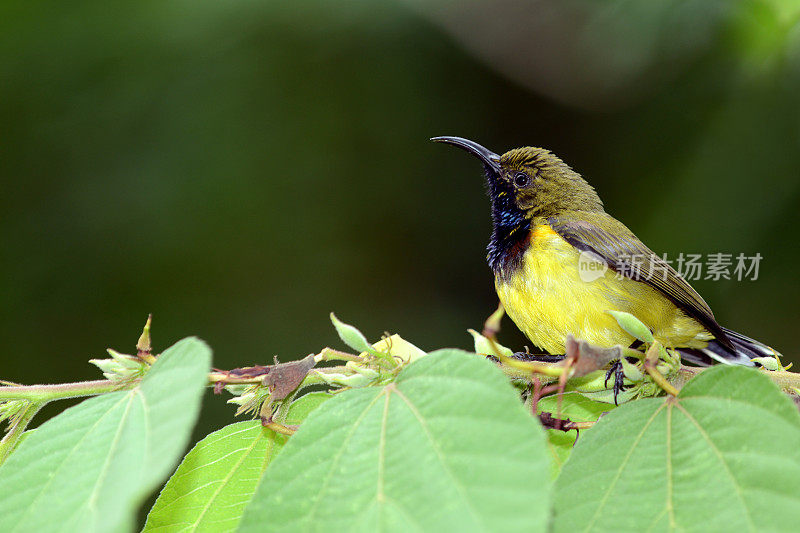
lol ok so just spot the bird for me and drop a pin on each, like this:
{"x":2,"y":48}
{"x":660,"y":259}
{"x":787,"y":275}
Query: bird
{"x":548,"y":224}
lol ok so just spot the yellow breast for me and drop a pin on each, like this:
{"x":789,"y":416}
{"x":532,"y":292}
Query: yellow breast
{"x":558,"y":290}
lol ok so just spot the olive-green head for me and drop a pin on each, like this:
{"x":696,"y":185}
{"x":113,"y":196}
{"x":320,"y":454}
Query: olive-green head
{"x":532,"y":180}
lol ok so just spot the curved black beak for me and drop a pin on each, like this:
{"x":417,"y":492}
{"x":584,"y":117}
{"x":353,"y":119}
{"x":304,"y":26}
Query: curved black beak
{"x":489,"y":158}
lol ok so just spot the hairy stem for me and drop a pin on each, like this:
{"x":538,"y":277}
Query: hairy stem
{"x":329,"y":354}
{"x":46,"y":393}
{"x":38,"y":396}
{"x":280,"y":428}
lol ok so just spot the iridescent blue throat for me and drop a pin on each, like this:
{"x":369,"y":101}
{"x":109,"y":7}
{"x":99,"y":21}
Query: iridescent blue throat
{"x":511,"y":231}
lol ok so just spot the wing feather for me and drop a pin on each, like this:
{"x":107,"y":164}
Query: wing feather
{"x":614,"y":243}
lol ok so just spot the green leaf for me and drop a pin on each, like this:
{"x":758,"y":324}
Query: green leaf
{"x":351,"y":336}
{"x":577,"y":408}
{"x":722,"y":456}
{"x":632,"y":326}
{"x":89,"y":468}
{"x":574,"y":406}
{"x":218,"y":477}
{"x":447,"y":446}
{"x":559,"y":444}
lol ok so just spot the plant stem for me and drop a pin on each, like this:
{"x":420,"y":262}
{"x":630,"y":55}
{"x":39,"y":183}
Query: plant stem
{"x":329,"y":354}
{"x":217,"y":377}
{"x":279,"y":428}
{"x":553,"y":370}
{"x":38,"y":396}
{"x":660,"y":380}
{"x":46,"y":393}
{"x":17,"y":429}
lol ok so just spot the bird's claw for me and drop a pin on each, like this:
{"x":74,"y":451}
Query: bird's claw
{"x":619,"y":379}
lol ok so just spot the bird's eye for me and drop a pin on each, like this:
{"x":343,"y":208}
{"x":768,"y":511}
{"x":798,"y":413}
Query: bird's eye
{"x":521,"y":179}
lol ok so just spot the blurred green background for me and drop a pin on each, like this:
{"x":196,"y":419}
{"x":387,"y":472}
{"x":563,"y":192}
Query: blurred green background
{"x":242,"y":168}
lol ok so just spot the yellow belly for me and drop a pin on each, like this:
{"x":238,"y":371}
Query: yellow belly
{"x":556,"y":291}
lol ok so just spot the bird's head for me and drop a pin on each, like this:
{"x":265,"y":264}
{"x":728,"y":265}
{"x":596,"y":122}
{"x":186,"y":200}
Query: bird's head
{"x":531,"y":180}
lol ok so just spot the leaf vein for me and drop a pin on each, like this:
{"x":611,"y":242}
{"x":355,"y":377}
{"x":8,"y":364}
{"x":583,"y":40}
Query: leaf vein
{"x":721,"y":458}
{"x":459,"y":487}
{"x":622,"y":467}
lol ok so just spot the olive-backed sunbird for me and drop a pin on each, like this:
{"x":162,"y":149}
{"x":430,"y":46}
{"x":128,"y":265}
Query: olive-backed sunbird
{"x":547,"y":221}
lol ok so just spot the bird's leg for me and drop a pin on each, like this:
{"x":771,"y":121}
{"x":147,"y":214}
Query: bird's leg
{"x":619,"y":374}
{"x":619,"y":379}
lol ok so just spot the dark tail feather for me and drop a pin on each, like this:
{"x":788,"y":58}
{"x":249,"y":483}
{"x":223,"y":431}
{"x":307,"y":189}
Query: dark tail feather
{"x":746,"y":349}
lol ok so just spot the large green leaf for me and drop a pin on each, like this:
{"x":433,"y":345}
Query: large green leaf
{"x":89,"y":468}
{"x":213,"y":484}
{"x":722,"y":456}
{"x":575,"y":407}
{"x":447,"y":446}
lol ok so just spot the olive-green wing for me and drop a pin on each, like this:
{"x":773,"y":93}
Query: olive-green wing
{"x":610,"y":240}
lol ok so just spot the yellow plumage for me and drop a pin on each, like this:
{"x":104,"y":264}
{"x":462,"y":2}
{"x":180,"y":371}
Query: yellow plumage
{"x":547,"y":299}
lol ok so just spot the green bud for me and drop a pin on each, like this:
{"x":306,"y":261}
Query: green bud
{"x":632,"y":325}
{"x":355,"y":381}
{"x":331,"y":379}
{"x":631,"y":371}
{"x":124,"y":360}
{"x":366,"y":372}
{"x":342,"y":380}
{"x":664,"y":369}
{"x":143,"y":344}
{"x":770,"y":363}
{"x":243,"y":399}
{"x":237,"y":389}
{"x":107,"y":366}
{"x":351,"y":336}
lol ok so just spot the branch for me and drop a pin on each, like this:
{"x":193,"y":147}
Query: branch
{"x":47,"y":393}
